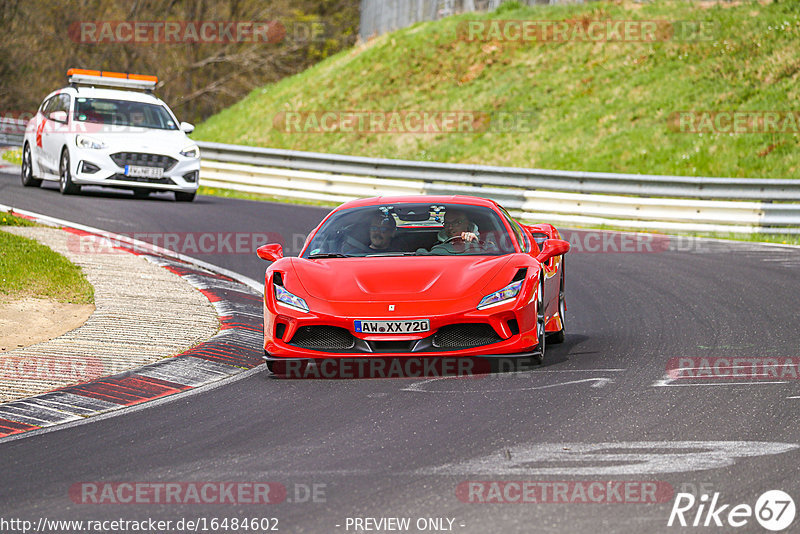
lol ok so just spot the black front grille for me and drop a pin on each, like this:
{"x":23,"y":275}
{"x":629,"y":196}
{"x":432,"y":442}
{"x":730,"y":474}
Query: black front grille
{"x":391,"y":346}
{"x":143,"y":160}
{"x":162,"y":180}
{"x":465,"y":335}
{"x":322,"y":337}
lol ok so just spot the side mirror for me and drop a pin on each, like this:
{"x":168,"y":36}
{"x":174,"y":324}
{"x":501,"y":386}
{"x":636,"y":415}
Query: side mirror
{"x":270,"y":252}
{"x":552,"y":247}
{"x":58,"y":116}
{"x":187,"y":127}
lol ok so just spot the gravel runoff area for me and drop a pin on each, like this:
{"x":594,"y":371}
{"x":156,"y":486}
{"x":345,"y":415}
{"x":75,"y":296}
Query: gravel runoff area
{"x":143,"y":314}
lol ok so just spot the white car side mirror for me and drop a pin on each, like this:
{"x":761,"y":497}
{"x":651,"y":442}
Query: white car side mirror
{"x":187,"y":127}
{"x":58,"y":116}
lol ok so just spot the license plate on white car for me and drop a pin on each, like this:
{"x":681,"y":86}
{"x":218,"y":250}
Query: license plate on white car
{"x":410,"y":326}
{"x":143,"y":172}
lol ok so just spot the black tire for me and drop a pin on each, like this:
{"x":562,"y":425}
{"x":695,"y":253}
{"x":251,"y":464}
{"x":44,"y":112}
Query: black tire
{"x":141,"y":193}
{"x":184,"y":197}
{"x":558,"y":337}
{"x":66,"y":186}
{"x":538,"y":352}
{"x":27,"y":168}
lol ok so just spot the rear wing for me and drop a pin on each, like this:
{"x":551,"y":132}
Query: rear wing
{"x":111,"y":79}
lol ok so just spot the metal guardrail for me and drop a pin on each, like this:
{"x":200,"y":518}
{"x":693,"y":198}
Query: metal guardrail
{"x":671,"y":203}
{"x":666,"y":203}
{"x":514,"y":177}
{"x":11,"y":131}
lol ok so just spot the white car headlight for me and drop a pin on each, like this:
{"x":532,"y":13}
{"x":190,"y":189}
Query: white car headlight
{"x":84,"y":141}
{"x":190,"y":151}
{"x":289,"y":299}
{"x":506,"y":294}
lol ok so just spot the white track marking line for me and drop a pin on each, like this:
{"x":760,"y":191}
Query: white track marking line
{"x":417,"y":387}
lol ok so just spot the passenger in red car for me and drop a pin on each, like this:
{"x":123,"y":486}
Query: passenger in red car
{"x":381,"y":227}
{"x":381,"y":232}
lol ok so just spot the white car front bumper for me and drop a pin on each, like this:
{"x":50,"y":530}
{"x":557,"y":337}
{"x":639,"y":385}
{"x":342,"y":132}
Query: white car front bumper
{"x":107,"y":167}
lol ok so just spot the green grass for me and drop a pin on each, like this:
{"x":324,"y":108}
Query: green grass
{"x":596,"y":106}
{"x":8,"y":219}
{"x":13,"y":156}
{"x":29,"y":269}
{"x":230,"y":193}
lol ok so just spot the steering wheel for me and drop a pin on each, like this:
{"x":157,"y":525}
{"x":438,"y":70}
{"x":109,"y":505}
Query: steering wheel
{"x":479,"y":244}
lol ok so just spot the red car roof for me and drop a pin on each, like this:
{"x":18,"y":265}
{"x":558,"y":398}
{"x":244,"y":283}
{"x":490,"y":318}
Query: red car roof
{"x":432,"y":199}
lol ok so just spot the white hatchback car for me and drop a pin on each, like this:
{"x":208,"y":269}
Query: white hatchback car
{"x":108,"y":129}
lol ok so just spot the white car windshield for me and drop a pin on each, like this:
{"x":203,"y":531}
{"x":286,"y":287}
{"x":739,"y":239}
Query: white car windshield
{"x":406,"y":229}
{"x":123,"y":113}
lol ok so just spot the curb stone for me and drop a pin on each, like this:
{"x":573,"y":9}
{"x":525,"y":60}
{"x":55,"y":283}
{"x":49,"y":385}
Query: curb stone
{"x":236,"y":347}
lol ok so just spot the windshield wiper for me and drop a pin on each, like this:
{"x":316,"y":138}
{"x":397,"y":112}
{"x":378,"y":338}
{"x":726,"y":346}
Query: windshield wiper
{"x":328,"y":255}
{"x":390,"y":254}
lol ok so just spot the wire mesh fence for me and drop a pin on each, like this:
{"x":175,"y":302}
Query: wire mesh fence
{"x":381,"y":16}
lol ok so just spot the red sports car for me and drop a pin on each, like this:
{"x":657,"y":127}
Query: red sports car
{"x":424,"y":276}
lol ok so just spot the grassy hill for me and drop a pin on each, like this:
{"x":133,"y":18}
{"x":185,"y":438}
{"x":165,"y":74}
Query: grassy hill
{"x":596,"y":106}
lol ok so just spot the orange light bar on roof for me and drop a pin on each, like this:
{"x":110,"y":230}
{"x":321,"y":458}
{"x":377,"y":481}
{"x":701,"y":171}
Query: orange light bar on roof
{"x":114,"y":79}
{"x":145,"y":77}
{"x":87,"y":72}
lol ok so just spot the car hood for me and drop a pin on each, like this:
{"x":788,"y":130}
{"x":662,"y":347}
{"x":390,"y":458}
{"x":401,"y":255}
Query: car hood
{"x":394,"y":279}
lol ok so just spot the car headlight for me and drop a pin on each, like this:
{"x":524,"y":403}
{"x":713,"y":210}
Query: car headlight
{"x":506,"y":294}
{"x":190,"y":152}
{"x":84,"y":141}
{"x":288,"y":299}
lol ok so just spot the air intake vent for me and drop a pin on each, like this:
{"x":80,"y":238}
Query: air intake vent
{"x":513,"y":326}
{"x":322,"y":338}
{"x":280,"y":329}
{"x":143,"y":160}
{"x":465,"y":335}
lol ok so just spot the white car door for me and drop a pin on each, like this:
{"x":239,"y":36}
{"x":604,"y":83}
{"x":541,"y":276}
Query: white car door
{"x":38,"y":155}
{"x":54,"y":133}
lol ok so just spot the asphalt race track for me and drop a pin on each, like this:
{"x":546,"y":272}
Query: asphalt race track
{"x":600,"y":409}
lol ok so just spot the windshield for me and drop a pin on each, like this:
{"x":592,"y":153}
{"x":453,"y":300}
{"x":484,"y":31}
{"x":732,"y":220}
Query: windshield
{"x":123,"y":113}
{"x":411,"y":230}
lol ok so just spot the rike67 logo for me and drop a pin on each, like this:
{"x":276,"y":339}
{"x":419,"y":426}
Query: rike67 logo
{"x":774,"y":510}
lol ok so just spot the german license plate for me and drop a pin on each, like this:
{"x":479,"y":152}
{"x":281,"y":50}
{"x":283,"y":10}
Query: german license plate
{"x":410,"y":326}
{"x":143,"y":172}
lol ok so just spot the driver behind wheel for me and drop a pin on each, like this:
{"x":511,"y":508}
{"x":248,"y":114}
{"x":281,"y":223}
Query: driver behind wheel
{"x":459,"y":234}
